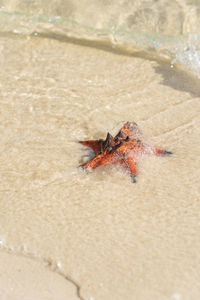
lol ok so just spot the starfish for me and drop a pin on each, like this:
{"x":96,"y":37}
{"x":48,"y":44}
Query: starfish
{"x":124,"y":149}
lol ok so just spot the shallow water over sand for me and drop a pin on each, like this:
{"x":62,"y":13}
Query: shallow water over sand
{"x":165,"y":29}
{"x":113,"y":238}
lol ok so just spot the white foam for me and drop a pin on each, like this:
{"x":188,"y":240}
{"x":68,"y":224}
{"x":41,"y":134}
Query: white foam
{"x":190,"y":58}
{"x":176,"y":296}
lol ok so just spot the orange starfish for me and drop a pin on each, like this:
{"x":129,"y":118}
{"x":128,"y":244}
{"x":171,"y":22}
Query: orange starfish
{"x":125,"y":149}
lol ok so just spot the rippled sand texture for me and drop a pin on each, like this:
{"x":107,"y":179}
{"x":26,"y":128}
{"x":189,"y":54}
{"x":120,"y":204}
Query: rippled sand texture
{"x":173,"y":18}
{"x":112,"y":238}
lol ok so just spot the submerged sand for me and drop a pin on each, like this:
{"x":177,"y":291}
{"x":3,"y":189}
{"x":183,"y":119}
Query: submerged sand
{"x":106,"y":237}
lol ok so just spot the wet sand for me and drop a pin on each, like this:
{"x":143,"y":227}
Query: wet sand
{"x":27,"y":278}
{"x":112,"y":238}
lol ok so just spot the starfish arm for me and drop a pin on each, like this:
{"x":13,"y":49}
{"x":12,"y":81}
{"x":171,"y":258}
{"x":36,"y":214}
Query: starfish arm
{"x":130,"y":165}
{"x":95,"y":145}
{"x":158,"y":151}
{"x":99,"y":160}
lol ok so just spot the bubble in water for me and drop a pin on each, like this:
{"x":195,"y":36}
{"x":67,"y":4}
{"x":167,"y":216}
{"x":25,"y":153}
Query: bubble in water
{"x":176,"y":296}
{"x":16,"y":31}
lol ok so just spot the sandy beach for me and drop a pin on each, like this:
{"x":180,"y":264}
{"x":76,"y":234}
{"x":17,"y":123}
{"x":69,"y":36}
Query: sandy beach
{"x":66,"y":234}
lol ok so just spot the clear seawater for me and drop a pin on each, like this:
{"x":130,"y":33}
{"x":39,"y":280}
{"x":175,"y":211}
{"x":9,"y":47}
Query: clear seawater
{"x":168,"y":29}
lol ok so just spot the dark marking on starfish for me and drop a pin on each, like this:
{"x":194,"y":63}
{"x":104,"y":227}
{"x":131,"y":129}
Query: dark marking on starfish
{"x":124,"y":149}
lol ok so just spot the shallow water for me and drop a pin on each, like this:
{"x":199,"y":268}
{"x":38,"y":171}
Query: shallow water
{"x":113,"y":238}
{"x":167,"y":29}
